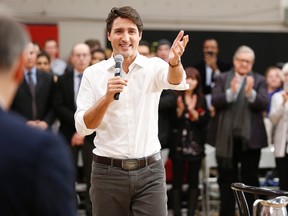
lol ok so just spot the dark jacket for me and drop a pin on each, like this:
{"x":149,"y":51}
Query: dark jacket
{"x":22,"y":103}
{"x":64,"y":104}
{"x":258,"y":137}
{"x":36,"y":172}
{"x":201,"y":67}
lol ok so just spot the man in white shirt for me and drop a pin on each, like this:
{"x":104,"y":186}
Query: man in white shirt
{"x":128,"y":176}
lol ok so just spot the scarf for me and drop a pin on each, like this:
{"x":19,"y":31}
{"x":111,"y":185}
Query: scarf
{"x":233,"y":120}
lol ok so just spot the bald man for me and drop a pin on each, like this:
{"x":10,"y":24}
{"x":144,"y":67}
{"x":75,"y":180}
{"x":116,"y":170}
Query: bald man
{"x":65,"y":102}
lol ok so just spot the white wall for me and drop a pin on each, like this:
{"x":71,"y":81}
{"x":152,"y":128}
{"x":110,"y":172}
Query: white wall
{"x":82,"y":19}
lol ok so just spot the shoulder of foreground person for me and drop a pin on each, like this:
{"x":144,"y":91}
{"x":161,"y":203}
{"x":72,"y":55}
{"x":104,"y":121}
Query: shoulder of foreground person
{"x":36,"y":169}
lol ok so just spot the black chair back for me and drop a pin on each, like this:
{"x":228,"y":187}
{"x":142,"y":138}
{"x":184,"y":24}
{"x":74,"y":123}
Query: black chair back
{"x":239,"y":190}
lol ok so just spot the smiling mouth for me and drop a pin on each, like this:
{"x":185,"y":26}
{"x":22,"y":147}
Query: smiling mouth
{"x":125,"y":46}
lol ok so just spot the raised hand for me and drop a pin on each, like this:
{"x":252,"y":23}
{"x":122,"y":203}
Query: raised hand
{"x":249,"y":85}
{"x":178,"y":48}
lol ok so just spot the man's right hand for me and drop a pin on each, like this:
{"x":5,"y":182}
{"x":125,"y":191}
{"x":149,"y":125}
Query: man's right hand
{"x":115,"y":85}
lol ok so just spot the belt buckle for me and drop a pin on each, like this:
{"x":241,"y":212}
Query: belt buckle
{"x":130,"y":164}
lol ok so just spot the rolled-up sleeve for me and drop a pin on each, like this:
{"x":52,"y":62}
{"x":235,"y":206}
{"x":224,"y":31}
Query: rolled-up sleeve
{"x":85,"y":100}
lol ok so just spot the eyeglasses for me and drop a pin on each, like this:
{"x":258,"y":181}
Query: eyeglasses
{"x":244,"y":60}
{"x":84,"y":55}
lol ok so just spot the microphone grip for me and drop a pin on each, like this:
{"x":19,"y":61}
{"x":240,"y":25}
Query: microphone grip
{"x":116,"y":96}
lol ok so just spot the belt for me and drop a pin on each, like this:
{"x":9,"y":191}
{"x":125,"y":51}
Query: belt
{"x":128,"y":164}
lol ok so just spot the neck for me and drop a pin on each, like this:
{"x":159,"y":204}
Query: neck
{"x":271,"y":89}
{"x":189,"y":92}
{"x":127,"y":62}
{"x":7,"y":91}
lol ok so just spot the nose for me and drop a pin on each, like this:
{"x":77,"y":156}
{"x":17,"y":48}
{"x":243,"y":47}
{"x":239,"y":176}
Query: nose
{"x":125,"y":36}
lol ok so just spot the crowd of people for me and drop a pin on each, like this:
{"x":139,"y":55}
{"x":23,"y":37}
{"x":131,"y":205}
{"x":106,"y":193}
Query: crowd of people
{"x":226,"y":105}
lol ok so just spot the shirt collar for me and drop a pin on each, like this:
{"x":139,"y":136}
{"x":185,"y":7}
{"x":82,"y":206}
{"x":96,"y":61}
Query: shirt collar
{"x":140,"y":60}
{"x":33,"y":71}
{"x":76,"y":73}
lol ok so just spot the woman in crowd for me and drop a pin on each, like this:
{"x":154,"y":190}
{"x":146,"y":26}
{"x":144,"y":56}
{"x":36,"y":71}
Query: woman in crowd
{"x":279,"y":118}
{"x":274,"y":82}
{"x":187,"y":154}
{"x":273,"y":76}
{"x":97,"y":56}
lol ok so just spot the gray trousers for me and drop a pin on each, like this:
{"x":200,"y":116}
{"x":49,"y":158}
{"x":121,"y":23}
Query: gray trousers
{"x":128,"y":193}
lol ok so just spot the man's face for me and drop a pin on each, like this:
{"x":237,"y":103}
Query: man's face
{"x":81,"y":57}
{"x":30,"y":57}
{"x":163,"y":51}
{"x":124,"y":37}
{"x":43,"y":64}
{"x":51,"y":48}
{"x":144,"y":50}
{"x":210,"y":47}
{"x":97,"y":57}
{"x":243,"y":63}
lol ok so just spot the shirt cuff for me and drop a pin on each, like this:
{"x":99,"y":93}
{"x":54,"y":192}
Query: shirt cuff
{"x":230,"y":96}
{"x":80,"y":124}
{"x":252,"y":96}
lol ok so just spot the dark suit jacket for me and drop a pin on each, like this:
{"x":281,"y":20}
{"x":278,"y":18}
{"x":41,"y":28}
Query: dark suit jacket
{"x":36,"y":172}
{"x":201,"y":67}
{"x":22,"y":103}
{"x":65,"y":106}
{"x":258,"y":137}
{"x":167,"y":117}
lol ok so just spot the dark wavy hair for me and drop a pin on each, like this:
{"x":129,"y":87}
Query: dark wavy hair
{"x":193,"y":73}
{"x":124,"y":12}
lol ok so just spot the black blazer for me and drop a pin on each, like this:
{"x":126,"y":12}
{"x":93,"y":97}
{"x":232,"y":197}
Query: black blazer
{"x":65,"y":106}
{"x":22,"y":103}
{"x":201,"y":67}
{"x":36,"y":171}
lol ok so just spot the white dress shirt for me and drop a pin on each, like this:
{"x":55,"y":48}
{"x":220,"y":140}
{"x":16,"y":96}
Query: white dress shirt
{"x":58,"y":66}
{"x":129,"y":128}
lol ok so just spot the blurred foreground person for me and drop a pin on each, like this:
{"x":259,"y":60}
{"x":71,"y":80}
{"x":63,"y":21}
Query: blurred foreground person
{"x":36,"y":173}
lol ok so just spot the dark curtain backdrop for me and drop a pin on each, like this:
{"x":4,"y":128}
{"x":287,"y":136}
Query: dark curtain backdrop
{"x":270,"y":48}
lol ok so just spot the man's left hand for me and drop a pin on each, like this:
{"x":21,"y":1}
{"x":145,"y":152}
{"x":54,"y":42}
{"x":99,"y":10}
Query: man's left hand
{"x":178,"y":48}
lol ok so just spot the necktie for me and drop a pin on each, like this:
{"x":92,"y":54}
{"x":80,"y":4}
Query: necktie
{"x":80,"y":78}
{"x":32,"y":90}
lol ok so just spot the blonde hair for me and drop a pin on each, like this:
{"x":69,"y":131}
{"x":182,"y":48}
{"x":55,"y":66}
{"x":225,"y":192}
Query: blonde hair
{"x":285,"y":68}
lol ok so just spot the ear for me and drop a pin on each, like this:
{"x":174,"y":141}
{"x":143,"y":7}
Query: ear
{"x":18,"y":74}
{"x":108,"y":36}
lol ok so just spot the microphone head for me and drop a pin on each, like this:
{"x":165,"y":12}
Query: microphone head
{"x":119,"y":58}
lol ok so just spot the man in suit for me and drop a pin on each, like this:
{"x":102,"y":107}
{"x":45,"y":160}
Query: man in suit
{"x":240,"y":98}
{"x":36,"y":173}
{"x":33,"y":99}
{"x":65,"y":105}
{"x":210,"y":67}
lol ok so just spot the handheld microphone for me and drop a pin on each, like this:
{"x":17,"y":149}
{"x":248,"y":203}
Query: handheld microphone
{"x":118,"y":68}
